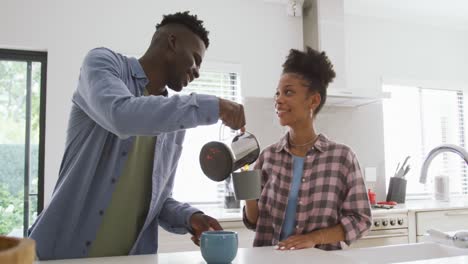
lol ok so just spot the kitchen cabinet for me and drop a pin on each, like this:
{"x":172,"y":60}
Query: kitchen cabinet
{"x":443,"y":220}
{"x":324,"y":29}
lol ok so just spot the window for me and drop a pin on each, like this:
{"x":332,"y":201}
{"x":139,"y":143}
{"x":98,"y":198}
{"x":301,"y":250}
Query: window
{"x":191,"y":185}
{"x":415,"y":121}
{"x":22,"y":124}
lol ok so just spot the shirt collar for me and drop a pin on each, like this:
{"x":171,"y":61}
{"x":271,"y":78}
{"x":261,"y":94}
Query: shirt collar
{"x":137,"y":70}
{"x":320,"y":144}
{"x":139,"y":73}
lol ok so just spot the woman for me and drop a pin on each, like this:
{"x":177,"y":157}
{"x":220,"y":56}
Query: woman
{"x":313,"y":193}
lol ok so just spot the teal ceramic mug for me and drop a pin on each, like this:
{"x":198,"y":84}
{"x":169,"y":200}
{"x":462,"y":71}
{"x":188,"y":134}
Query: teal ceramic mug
{"x":219,"y":247}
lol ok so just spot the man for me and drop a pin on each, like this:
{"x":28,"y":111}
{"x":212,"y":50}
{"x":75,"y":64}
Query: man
{"x":123,"y":143}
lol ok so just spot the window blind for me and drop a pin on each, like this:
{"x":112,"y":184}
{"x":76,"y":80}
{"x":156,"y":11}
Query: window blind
{"x":191,"y":185}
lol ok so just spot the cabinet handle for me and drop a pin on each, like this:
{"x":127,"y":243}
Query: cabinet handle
{"x":462,"y":213}
{"x":386,"y":235}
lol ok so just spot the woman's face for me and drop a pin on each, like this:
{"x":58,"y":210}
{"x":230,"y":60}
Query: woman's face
{"x":294,"y":103}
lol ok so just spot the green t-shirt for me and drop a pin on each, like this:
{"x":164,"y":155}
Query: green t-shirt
{"x":123,"y":219}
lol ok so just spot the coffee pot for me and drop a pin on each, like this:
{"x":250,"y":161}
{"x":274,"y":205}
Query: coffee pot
{"x":218,"y":160}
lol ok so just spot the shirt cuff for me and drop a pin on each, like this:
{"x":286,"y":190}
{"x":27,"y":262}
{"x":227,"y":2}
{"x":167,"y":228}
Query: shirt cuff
{"x":246,"y":221}
{"x":353,"y":228}
{"x":191,"y":211}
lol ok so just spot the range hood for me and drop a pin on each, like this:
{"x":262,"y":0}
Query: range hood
{"x":324,"y":30}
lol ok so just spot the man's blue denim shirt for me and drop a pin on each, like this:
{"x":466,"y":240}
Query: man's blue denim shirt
{"x":108,"y":111}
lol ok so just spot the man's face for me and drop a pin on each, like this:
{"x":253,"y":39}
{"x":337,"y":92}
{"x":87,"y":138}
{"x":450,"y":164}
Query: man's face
{"x":184,"y":67}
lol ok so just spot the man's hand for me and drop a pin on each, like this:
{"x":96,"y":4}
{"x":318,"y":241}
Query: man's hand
{"x":200,"y":223}
{"x":297,"y":242}
{"x":232,"y":114}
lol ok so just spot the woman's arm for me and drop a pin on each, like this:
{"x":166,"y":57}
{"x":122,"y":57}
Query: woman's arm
{"x":327,"y":235}
{"x":251,"y":211}
{"x":356,"y":216}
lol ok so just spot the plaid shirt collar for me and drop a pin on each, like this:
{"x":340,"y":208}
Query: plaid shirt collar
{"x":321,"y":144}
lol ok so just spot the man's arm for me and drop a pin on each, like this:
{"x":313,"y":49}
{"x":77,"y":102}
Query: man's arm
{"x":107,"y":100}
{"x":175,"y":216}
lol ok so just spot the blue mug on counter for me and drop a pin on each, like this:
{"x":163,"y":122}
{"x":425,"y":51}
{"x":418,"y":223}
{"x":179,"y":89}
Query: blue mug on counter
{"x":219,"y":247}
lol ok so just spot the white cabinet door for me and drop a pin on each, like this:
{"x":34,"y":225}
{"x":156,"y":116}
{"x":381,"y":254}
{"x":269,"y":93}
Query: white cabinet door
{"x":446,"y":220}
{"x":379,"y":241}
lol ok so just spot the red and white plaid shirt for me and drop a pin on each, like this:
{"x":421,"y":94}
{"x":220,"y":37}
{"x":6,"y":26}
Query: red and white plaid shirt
{"x":332,"y":192}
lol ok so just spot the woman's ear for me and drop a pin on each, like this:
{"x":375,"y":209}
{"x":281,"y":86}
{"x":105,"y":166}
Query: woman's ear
{"x":315,"y":100}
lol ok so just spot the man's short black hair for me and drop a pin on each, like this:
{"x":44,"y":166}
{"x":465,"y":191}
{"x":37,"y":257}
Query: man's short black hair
{"x":314,"y":67}
{"x":188,"y":20}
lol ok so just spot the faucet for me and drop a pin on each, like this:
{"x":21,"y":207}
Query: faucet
{"x":439,"y":149}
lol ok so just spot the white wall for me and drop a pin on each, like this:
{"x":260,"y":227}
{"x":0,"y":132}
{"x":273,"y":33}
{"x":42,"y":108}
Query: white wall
{"x":255,"y":34}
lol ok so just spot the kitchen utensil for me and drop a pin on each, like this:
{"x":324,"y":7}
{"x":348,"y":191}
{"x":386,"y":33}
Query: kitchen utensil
{"x":387,"y":202}
{"x":247,"y":184}
{"x":397,"y":190}
{"x":460,"y":239}
{"x":218,"y":160}
{"x":17,"y":250}
{"x":401,"y":171}
{"x":396,"y":171}
{"x":406,"y":171}
{"x":219,"y":246}
{"x":382,"y":206}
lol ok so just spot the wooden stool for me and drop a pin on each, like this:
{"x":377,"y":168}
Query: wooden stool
{"x":15,"y":250}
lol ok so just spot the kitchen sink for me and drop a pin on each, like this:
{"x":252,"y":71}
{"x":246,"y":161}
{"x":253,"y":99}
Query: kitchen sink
{"x":402,"y":253}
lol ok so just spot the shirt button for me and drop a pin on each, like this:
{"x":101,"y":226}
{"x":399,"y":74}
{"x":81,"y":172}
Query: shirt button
{"x":113,"y":180}
{"x":297,"y":226}
{"x":101,"y":212}
{"x":300,"y":202}
{"x":208,"y":120}
{"x":124,"y":153}
{"x":182,"y":126}
{"x":88,"y":243}
{"x":303,"y":179}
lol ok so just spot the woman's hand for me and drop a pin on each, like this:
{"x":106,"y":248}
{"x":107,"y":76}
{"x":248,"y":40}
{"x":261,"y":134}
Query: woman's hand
{"x":297,"y":242}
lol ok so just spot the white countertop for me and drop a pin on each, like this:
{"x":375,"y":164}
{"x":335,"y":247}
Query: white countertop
{"x":387,"y":254}
{"x":430,"y":205}
{"x":451,"y":260}
{"x":244,"y":256}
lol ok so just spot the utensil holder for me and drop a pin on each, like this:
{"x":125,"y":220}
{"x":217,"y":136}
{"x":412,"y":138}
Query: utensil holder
{"x":397,"y":190}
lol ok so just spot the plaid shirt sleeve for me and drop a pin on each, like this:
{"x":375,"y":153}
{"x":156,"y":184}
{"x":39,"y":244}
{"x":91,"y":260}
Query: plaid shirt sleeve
{"x":356,"y":213}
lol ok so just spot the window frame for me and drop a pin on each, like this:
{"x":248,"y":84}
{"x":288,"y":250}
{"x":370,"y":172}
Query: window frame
{"x":461,"y":108}
{"x":29,"y":57}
